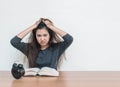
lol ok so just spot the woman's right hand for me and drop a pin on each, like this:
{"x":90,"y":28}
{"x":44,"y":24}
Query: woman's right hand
{"x":37,"y":22}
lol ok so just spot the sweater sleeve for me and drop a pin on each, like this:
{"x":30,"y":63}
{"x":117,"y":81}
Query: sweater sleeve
{"x":21,"y":46}
{"x":68,"y":39}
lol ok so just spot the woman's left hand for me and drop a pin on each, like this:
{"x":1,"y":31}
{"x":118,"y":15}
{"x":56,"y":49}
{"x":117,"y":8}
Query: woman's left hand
{"x":48,"y":22}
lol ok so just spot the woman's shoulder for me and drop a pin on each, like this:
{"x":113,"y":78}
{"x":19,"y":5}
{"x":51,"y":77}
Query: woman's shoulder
{"x":55,"y":45}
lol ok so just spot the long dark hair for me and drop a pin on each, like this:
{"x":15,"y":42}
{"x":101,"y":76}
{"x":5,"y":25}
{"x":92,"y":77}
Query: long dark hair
{"x":34,"y":46}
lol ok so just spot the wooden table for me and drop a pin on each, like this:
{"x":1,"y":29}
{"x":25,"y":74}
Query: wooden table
{"x":66,"y":79}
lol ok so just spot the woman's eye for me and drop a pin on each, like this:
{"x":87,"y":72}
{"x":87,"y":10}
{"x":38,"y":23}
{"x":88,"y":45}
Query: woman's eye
{"x":39,"y":35}
{"x":45,"y":35}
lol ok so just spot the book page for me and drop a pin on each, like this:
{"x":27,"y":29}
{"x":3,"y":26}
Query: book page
{"x":31,"y":71}
{"x":47,"y":71}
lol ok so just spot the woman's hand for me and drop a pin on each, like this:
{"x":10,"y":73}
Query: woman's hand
{"x":47,"y":22}
{"x":50,"y":25}
{"x":37,"y":22}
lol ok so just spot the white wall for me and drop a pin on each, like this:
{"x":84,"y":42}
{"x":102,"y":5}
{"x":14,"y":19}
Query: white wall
{"x":94,"y":24}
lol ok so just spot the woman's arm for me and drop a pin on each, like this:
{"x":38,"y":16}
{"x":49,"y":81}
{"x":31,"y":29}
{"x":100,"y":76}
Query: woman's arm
{"x":28,"y":30}
{"x":54,"y":28}
{"x":58,"y":31}
{"x":16,"y":41}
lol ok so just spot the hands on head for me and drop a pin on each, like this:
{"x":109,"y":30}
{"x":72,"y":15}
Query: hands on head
{"x":44,"y":20}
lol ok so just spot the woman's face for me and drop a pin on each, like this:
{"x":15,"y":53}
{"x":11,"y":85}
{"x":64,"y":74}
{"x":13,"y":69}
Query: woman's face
{"x":43,"y":37}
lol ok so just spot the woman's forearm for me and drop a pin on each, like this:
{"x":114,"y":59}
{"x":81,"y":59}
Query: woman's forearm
{"x":54,"y":28}
{"x":58,"y":31}
{"x":26,"y":31}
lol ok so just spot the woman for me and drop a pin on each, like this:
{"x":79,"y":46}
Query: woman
{"x":45,"y":46}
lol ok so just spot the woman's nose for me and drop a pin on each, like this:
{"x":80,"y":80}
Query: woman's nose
{"x":42,"y":38}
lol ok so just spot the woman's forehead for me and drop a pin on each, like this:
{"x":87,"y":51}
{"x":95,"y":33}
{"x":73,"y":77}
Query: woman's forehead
{"x":41,"y":31}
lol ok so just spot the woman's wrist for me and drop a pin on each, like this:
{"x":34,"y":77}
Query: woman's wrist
{"x":33,"y":26}
{"x":50,"y":26}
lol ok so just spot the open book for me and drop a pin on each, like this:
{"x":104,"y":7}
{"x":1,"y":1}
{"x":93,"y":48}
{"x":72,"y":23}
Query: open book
{"x":44,"y":71}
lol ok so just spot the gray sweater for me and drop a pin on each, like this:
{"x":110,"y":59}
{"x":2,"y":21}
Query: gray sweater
{"x":48,"y":57}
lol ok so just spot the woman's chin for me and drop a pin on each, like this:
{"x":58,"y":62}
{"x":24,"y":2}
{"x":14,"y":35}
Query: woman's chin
{"x":44,"y":46}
